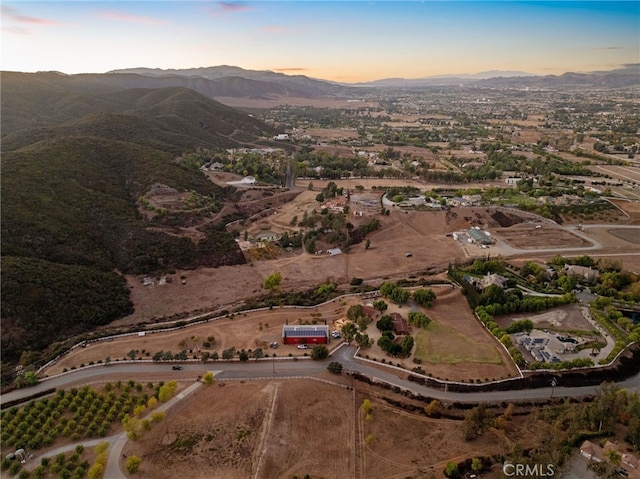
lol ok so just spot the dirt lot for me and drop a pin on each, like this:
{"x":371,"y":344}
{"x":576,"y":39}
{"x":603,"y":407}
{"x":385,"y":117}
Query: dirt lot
{"x":298,"y":427}
{"x":528,"y":236}
{"x":273,"y":434}
{"x":250,"y":331}
{"x":564,"y":318}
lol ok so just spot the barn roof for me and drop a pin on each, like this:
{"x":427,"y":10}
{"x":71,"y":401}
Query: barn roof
{"x":305,"y":331}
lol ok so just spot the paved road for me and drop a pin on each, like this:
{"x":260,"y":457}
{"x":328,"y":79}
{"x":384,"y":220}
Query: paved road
{"x":286,"y":368}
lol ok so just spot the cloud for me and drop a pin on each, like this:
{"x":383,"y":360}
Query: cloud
{"x":12,"y":15}
{"x":128,"y":18}
{"x":273,"y":29}
{"x":606,"y":48}
{"x":224,"y":8}
{"x":16,"y":30}
{"x":233,"y":6}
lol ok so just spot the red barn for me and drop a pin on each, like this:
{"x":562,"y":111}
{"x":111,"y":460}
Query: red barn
{"x":305,"y":334}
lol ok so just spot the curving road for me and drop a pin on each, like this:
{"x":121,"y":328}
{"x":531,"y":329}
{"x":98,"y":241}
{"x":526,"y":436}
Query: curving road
{"x":288,"y":368}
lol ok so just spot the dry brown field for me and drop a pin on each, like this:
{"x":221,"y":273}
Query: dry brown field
{"x":526,"y":236}
{"x":630,"y":208}
{"x":299,"y":427}
{"x":258,"y":329}
{"x":368,"y":183}
{"x":622,"y":173}
{"x":243,"y":331}
{"x":270,"y":103}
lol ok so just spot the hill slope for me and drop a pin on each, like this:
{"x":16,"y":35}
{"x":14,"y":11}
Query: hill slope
{"x":75,"y":163}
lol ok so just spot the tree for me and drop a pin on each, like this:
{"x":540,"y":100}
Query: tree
{"x":354,"y":312}
{"x":363,"y":340}
{"x":363,"y":323}
{"x":476,"y":464}
{"x":366,"y":406}
{"x":208,"y":378}
{"x":272,"y":282}
{"x":394,"y":292}
{"x":380,"y":305}
{"x":335,"y":367}
{"x":29,"y":379}
{"x":385,"y":323}
{"x":167,"y":390}
{"x":367,"y":244}
{"x":451,"y":469}
{"x":133,"y":464}
{"x":424,"y":297}
{"x":476,"y":421}
{"x":319,"y":351}
{"x":432,"y":408}
{"x":419,"y":319}
{"x":349,"y":331}
{"x":407,"y":345}
{"x":132,"y":354}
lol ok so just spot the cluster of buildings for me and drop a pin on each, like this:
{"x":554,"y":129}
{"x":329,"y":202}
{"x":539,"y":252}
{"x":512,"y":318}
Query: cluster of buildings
{"x":629,"y":464}
{"x":546,"y":347}
{"x":474,"y":235}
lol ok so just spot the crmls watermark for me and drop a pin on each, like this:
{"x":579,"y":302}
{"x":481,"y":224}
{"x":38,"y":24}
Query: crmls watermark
{"x":528,"y":470}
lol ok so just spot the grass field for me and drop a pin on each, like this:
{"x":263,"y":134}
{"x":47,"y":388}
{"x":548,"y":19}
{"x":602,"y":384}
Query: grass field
{"x":440,"y":344}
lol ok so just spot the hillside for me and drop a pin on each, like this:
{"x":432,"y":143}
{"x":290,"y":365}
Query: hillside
{"x":75,"y":168}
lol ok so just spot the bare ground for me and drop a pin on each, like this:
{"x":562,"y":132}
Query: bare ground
{"x":280,"y":429}
{"x":526,"y":236}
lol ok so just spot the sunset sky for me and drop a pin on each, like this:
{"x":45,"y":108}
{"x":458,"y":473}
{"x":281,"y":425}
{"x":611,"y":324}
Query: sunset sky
{"x":335,"y":40}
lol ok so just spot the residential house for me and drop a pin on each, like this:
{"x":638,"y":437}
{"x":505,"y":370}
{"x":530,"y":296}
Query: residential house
{"x":400,"y":325}
{"x":588,"y":274}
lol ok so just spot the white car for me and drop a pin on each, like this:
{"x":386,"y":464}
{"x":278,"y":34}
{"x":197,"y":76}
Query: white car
{"x":303,"y":346}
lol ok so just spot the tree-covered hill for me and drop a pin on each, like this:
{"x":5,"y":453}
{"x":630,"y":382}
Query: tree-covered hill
{"x":76,"y":165}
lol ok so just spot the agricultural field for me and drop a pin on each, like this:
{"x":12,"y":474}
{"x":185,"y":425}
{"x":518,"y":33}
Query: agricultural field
{"x":72,"y":417}
{"x":297,"y":427}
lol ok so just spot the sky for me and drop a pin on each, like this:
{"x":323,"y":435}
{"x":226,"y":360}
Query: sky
{"x":345,"y":41}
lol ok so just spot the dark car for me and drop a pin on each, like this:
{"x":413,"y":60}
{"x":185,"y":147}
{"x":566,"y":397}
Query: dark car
{"x":177,"y":368}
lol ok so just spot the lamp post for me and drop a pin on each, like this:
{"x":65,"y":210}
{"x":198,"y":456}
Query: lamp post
{"x":554,"y":382}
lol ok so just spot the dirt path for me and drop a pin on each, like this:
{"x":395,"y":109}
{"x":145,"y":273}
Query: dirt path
{"x":272,"y":389}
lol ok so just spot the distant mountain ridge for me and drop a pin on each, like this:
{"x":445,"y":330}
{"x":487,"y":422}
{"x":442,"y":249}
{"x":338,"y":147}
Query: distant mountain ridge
{"x":308,"y":87}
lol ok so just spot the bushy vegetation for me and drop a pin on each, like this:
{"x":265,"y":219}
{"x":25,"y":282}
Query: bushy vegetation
{"x":43,"y":301}
{"x":395,"y":293}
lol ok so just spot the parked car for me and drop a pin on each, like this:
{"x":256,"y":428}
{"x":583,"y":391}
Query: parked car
{"x":177,"y":368}
{"x":303,"y":346}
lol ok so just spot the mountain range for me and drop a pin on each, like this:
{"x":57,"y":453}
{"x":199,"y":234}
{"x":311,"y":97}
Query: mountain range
{"x":226,"y":81}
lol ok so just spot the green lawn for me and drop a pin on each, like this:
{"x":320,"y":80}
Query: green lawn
{"x":439,"y":344}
